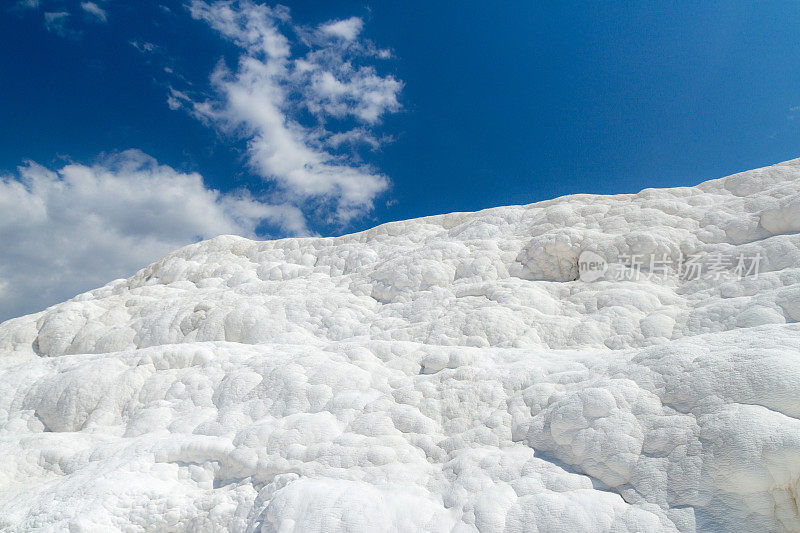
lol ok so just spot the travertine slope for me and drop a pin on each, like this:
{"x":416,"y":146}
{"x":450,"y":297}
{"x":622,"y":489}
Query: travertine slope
{"x":451,"y":373}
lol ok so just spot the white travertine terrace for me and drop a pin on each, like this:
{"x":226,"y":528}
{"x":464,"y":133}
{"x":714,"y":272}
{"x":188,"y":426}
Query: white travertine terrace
{"x":449,"y":373}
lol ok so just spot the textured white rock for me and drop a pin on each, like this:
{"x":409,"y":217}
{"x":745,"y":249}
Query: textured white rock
{"x":444,"y":374}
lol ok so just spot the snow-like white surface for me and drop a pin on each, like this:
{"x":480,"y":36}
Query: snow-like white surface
{"x":442,"y":374}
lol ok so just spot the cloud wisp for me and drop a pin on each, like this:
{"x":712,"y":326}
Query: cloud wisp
{"x":306,"y":99}
{"x":58,"y":22}
{"x":94,"y":10}
{"x":75,"y":228}
{"x":59,"y":17}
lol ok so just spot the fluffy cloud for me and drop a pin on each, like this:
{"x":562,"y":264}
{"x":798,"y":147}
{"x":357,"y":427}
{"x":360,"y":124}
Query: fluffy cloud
{"x":347,"y":29}
{"x":306,"y":99}
{"x":68,"y":230}
{"x":291,"y":83}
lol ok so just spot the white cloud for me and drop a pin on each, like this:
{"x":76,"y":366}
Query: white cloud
{"x":355,"y":137}
{"x":69,"y":229}
{"x":27,"y":4}
{"x":58,"y":16}
{"x":347,"y":29}
{"x":75,"y":228}
{"x":176,"y":99}
{"x":93,"y":9}
{"x":144,"y":46}
{"x":56,"y":22}
{"x":319,"y":72}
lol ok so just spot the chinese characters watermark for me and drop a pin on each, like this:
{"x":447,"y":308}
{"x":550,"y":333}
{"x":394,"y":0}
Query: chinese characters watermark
{"x":592,"y":266}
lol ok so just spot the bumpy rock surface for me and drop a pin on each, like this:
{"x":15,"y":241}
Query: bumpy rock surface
{"x":451,"y":373}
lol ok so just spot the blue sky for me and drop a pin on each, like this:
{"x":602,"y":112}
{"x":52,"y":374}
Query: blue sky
{"x":448,"y":106}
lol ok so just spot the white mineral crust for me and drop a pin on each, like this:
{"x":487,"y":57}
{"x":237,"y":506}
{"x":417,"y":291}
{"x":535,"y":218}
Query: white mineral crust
{"x":450,"y":373}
